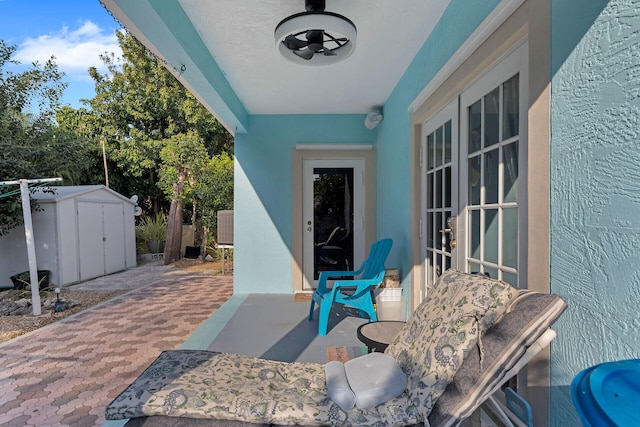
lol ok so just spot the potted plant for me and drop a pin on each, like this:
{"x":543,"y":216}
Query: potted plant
{"x":153,"y":230}
{"x":22,"y":281}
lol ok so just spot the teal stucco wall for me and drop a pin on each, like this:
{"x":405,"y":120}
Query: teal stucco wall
{"x":262,"y":195}
{"x":595,"y":187}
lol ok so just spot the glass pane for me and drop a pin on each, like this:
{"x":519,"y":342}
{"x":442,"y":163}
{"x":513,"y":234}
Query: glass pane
{"x":491,"y":235}
{"x":491,"y":161}
{"x":510,"y":278}
{"x":474,"y":268}
{"x":430,"y":268}
{"x":333,"y":219}
{"x":511,"y":113}
{"x":491,"y":272}
{"x":474,"y":227}
{"x":439,"y":266}
{"x":439,"y":147}
{"x":438,"y":233}
{"x":430,"y":230}
{"x":431,"y":146}
{"x":491,"y":118}
{"x":447,"y":187}
{"x":430,"y":193}
{"x":510,"y":237}
{"x":438,"y":188}
{"x":447,"y":142}
{"x":447,"y":236}
{"x":474,"y":180}
{"x":475,"y":127}
{"x":510,"y":161}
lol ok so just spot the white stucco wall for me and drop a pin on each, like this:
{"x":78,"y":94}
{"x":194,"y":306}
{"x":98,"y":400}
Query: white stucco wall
{"x":595,"y":194}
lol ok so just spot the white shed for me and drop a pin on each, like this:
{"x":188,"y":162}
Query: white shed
{"x":81,"y":232}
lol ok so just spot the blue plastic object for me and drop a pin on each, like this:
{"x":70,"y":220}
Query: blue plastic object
{"x":370,"y":274}
{"x":518,"y":406}
{"x":608,"y":394}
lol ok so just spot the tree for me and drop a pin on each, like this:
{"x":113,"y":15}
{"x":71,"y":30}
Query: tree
{"x":213,"y":192}
{"x":156,"y":133}
{"x":31,"y":146}
{"x":182,"y":156}
{"x":139,"y":105}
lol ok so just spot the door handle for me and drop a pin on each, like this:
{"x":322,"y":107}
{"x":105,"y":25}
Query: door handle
{"x":452,"y":228}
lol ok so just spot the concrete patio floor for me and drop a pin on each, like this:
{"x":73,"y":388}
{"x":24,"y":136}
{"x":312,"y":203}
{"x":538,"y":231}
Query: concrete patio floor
{"x":66,"y":373}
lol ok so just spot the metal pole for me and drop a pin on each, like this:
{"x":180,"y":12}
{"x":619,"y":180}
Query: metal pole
{"x":31,"y":247}
{"x":104,"y":161}
{"x":28,"y":232}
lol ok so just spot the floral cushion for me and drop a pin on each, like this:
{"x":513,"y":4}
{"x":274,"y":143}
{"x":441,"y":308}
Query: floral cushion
{"x":217,"y":386}
{"x":529,"y":316}
{"x":210,"y":385}
{"x":444,"y":328}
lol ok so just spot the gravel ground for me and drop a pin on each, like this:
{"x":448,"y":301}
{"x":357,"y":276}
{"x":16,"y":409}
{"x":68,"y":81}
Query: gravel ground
{"x":13,"y":326}
{"x":87,"y":295}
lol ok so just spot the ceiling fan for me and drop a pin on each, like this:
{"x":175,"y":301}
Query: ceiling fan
{"x":315,"y":37}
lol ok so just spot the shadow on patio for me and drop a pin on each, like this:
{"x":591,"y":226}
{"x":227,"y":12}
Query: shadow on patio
{"x":274,"y":326}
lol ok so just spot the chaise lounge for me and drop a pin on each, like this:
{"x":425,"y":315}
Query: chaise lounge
{"x":459,"y":346}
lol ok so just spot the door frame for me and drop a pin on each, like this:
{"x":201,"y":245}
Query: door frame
{"x":363,"y":152}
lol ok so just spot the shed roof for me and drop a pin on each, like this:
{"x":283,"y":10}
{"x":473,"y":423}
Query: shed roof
{"x":69,"y":191}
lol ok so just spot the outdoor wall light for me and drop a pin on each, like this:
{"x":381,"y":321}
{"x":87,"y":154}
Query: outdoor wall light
{"x":373,"y":119}
{"x":315,"y":37}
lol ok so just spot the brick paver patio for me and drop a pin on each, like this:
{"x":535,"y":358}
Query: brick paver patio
{"x":66,"y":373}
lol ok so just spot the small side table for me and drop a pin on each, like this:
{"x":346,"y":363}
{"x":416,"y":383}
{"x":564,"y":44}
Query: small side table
{"x":378,"y":335}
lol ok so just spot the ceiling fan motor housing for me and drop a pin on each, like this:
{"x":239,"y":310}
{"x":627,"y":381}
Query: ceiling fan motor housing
{"x":314,"y":5}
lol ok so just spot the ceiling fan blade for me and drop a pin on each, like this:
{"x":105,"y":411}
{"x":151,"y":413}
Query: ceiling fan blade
{"x":329,"y":52}
{"x":315,"y":47}
{"x":304,"y":54}
{"x":315,"y":36}
{"x":294,"y":43}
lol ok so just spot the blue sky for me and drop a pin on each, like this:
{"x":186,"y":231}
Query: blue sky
{"x":76,"y":32}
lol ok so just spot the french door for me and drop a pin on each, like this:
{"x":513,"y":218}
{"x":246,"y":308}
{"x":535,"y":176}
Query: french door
{"x":439,"y":165}
{"x":332,"y":199}
{"x":473,"y":166}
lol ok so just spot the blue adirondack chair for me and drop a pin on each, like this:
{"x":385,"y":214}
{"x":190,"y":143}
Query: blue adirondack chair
{"x":370,"y":274}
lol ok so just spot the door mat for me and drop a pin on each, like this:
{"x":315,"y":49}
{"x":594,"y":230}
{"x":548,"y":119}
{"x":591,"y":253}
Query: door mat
{"x":302,"y":296}
{"x":343,"y":354}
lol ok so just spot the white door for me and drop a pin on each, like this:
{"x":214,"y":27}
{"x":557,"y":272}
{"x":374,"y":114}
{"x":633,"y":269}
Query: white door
{"x":473,"y":164}
{"x":493,"y":158}
{"x":101,"y":239}
{"x":90,"y":243}
{"x":332,"y":200}
{"x":439,"y":175}
{"x":113,"y":232}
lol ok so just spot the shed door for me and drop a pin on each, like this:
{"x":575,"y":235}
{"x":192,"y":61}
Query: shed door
{"x":101,"y":243}
{"x":113,"y":232}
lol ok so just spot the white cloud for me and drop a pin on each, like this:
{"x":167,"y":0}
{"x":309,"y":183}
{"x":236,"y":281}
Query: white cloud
{"x":74,"y":50}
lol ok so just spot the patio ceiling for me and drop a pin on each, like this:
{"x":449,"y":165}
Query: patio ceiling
{"x":224,"y":51}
